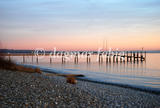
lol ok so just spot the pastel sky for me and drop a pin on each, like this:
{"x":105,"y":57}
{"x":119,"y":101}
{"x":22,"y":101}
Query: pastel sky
{"x":80,"y":24}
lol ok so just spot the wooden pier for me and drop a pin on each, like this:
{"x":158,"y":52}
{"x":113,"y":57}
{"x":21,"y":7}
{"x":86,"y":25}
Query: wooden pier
{"x":108,"y":57}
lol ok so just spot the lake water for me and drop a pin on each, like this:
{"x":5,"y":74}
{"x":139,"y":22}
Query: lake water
{"x":144,"y":74}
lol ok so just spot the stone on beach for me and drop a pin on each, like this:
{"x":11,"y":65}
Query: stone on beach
{"x":20,"y":89}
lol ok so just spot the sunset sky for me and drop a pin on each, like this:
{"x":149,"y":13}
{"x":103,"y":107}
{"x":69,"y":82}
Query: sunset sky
{"x":80,"y":24}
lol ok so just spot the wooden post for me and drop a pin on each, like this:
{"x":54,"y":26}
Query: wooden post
{"x":107,"y":57}
{"x":110,"y":58}
{"x":120,"y":58}
{"x":50,"y":60}
{"x":63,"y":58}
{"x":117,"y":57}
{"x":37,"y":59}
{"x":76,"y":58}
{"x":141,"y":56}
{"x":113,"y":58}
{"x":32,"y":58}
{"x":124,"y":57}
{"x":137,"y":56}
{"x":88,"y":58}
{"x":23,"y":58}
{"x":127,"y":56}
{"x":134,"y":56}
{"x":131,"y":57}
{"x":9,"y":57}
{"x":100,"y":58}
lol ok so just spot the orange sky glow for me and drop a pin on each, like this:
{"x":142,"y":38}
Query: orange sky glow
{"x":80,"y":25}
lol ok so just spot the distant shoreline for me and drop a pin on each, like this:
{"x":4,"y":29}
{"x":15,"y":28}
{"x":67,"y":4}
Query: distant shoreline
{"x":48,"y":51}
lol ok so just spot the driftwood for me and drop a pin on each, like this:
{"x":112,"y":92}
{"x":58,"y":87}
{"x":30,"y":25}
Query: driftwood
{"x":70,"y":78}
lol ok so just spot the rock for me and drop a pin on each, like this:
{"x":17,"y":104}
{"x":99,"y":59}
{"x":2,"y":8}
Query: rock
{"x":71,"y":80}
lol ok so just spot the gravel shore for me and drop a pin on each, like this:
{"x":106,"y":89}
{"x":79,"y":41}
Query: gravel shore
{"x":20,"y":89}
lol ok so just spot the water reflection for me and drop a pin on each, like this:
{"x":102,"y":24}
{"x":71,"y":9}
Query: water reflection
{"x":145,"y":73}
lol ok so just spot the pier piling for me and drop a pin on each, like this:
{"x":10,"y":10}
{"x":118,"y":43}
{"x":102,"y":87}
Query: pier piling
{"x":37,"y":59}
{"x":50,"y":60}
{"x":23,"y":58}
{"x":76,"y":59}
{"x":9,"y":57}
{"x":100,"y":58}
{"x":63,"y":58}
{"x":88,"y":58}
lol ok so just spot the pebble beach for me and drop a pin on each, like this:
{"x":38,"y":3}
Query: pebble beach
{"x":27,"y":90}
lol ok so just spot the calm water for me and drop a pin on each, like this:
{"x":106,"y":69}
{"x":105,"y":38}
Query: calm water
{"x":142,"y":74}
